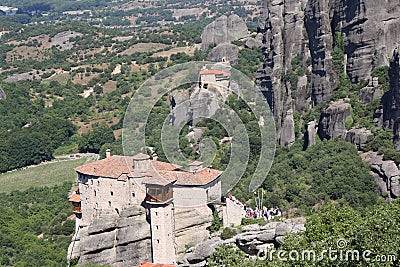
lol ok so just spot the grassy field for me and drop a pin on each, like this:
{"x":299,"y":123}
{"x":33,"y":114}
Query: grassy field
{"x":50,"y":174}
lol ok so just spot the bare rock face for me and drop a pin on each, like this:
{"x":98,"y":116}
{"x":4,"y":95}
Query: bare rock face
{"x":386,"y":173}
{"x":305,"y":31}
{"x":2,"y":94}
{"x":311,"y":133}
{"x":224,"y":30}
{"x":114,"y":239}
{"x":333,"y":121}
{"x":282,"y":27}
{"x":391,"y":100}
{"x":191,"y":226}
{"x":287,"y":136}
{"x":225,"y":52}
{"x":358,"y":137}
{"x":253,"y":239}
{"x":317,"y":21}
{"x":371,"y":92}
{"x":371,"y":30}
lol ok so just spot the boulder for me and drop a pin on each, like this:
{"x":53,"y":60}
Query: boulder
{"x":252,"y":227}
{"x":203,"y":251}
{"x":267,"y":236}
{"x":332,"y":122}
{"x":358,"y":137}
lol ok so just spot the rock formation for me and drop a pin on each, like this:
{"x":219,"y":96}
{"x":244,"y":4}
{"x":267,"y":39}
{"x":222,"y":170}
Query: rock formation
{"x":391,"y":100}
{"x":225,"y":52}
{"x":282,"y":27}
{"x":358,"y":137}
{"x":386,"y":175}
{"x":224,"y":30}
{"x":311,"y":134}
{"x":2,"y":94}
{"x":332,"y":122}
{"x":112,"y":238}
{"x":191,"y":226}
{"x":252,"y":240}
{"x":300,"y":35}
{"x":371,"y":92}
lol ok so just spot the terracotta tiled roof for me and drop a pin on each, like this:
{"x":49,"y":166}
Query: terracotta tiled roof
{"x":200,"y":177}
{"x":149,"y":264}
{"x":214,"y":72}
{"x":75,"y":198}
{"x":162,"y":173}
{"x":116,"y":166}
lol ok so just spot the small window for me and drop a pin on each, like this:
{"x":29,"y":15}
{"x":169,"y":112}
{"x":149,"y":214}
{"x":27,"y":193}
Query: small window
{"x":158,"y":241}
{"x":112,"y":193}
{"x":91,"y":181}
{"x":133,"y":194}
{"x":95,"y":193}
{"x":98,"y":182}
{"x":109,"y":204}
{"x":156,"y":213}
{"x":156,"y":226}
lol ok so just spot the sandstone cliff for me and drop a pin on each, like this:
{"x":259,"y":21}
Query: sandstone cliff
{"x":224,"y":30}
{"x":297,"y":41}
{"x":391,"y":100}
{"x":114,"y":239}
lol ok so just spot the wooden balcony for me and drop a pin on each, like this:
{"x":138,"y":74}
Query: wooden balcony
{"x":76,"y":209}
{"x":158,"y":195}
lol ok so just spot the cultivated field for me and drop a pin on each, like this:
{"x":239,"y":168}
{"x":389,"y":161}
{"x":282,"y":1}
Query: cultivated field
{"x":49,"y":174}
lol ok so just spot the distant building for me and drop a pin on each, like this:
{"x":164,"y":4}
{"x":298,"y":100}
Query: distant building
{"x":117,"y":182}
{"x":8,"y":10}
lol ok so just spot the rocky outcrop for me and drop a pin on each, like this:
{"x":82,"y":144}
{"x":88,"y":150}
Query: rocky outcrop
{"x":282,"y":27}
{"x":391,"y":100}
{"x":311,"y":134}
{"x":305,"y":31}
{"x":191,"y":226}
{"x":318,"y":24}
{"x":371,"y":92}
{"x":371,"y":30}
{"x":253,"y":239}
{"x":332,"y":122}
{"x":114,"y":239}
{"x":225,"y":52}
{"x":358,"y":137}
{"x":386,"y":175}
{"x":2,"y":94}
{"x":224,"y":30}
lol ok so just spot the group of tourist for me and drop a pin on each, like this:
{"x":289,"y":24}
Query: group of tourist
{"x":264,"y":212}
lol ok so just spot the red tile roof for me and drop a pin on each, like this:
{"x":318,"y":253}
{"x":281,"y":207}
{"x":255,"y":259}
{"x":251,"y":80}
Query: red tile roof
{"x":162,"y":173}
{"x":149,"y":264}
{"x":214,"y":72}
{"x":75,"y":198}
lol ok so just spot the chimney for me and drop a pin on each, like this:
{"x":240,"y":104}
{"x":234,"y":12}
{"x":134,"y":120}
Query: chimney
{"x":155,"y":156}
{"x":108,"y":153}
{"x":141,"y":162}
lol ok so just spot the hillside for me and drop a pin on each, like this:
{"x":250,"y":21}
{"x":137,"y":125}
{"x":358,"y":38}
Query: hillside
{"x":329,"y":71}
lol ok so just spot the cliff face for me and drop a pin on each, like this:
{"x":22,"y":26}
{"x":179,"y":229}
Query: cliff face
{"x":282,"y":29}
{"x":298,"y":37}
{"x":391,"y":100}
{"x":114,"y":239}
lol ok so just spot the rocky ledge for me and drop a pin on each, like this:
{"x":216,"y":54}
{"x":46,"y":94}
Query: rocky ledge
{"x":251,"y":239}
